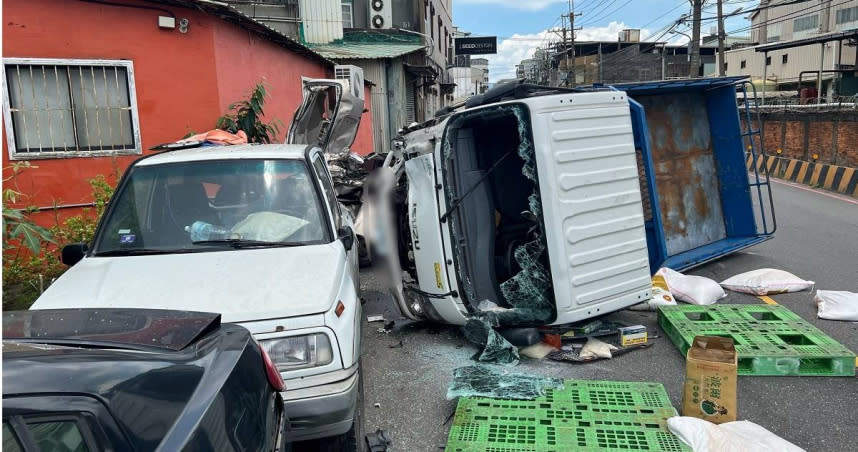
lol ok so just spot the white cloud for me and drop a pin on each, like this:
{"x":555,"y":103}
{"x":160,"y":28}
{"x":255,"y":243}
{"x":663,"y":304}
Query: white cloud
{"x":521,"y":46}
{"x":529,"y":5}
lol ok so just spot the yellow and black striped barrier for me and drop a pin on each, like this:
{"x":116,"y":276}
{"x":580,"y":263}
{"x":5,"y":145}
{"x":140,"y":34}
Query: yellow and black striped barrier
{"x":839,"y":179}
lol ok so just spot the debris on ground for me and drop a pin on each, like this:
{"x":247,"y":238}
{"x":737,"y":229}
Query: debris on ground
{"x":377,"y":441}
{"x":495,"y":349}
{"x":691,"y":289}
{"x":537,"y":351}
{"x":397,"y":345}
{"x":737,"y":436}
{"x":594,"y":348}
{"x":766,"y":281}
{"x":375,"y":318}
{"x":585,"y":329}
{"x":521,"y":337}
{"x":710,"y":380}
{"x":837,"y":305}
{"x":632,"y":335}
{"x":483,"y":381}
{"x":572,"y":353}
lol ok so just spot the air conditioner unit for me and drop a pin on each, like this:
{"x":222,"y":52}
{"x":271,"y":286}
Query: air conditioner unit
{"x":380,"y":14}
{"x":353,"y":75}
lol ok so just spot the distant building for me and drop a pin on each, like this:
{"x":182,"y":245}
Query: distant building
{"x":403,"y":46}
{"x":800,"y":33}
{"x":470,"y":73}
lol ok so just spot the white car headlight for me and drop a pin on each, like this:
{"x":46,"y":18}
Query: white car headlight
{"x":298,"y":352}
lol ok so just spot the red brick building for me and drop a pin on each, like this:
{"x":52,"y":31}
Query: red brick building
{"x":90,"y":85}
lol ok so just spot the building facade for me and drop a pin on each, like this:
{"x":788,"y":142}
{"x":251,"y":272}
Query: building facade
{"x":796,"y":23}
{"x":403,"y":46}
{"x":91,"y":87}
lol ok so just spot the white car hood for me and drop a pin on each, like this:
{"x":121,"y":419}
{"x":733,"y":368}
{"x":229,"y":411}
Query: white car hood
{"x":242,"y":285}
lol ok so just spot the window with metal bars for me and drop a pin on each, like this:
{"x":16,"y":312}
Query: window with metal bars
{"x":67,"y":108}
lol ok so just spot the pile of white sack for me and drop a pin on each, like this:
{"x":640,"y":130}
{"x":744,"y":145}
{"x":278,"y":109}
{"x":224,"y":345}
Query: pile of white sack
{"x":737,"y":436}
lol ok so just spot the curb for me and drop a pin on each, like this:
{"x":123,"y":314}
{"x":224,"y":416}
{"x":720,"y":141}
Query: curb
{"x":839,"y":179}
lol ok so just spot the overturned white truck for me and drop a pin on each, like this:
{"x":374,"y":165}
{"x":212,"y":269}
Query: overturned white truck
{"x":558,"y":204}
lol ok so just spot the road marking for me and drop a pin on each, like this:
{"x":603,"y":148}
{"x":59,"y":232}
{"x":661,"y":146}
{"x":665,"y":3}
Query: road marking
{"x":820,"y":192}
{"x":768,"y":300}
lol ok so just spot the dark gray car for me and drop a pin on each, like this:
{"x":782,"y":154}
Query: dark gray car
{"x":136,"y":379}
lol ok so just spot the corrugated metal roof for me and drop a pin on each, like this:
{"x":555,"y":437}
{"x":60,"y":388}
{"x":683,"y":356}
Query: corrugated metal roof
{"x":365,"y":50}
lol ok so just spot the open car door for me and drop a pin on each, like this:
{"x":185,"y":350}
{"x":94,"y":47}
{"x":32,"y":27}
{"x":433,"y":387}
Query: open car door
{"x":329,"y":115}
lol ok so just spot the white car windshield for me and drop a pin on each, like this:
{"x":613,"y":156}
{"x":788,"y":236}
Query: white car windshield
{"x":197,"y":205}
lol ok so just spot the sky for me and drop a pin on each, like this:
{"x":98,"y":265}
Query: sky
{"x":523,"y":25}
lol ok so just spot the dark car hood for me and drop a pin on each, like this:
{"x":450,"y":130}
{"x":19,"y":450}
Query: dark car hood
{"x":146,"y":391}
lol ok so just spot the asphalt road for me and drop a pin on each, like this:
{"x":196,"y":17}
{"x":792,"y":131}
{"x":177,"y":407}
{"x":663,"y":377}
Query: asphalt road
{"x":407,"y":370}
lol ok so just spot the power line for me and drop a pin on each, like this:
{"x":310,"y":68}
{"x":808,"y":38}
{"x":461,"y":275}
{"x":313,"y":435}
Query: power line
{"x":606,"y":14}
{"x":665,"y":13}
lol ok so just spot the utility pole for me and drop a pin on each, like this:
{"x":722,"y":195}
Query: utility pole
{"x":697,"y":6}
{"x":565,"y":48}
{"x":570,"y":74}
{"x":722,"y":64}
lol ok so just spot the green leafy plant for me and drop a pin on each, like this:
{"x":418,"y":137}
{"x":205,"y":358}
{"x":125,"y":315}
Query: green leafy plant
{"x":27,"y":272}
{"x":18,"y":228}
{"x":247,"y":115}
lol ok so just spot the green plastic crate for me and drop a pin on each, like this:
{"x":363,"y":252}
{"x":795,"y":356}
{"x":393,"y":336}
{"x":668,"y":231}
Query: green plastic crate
{"x":583,"y":416}
{"x":770,"y":340}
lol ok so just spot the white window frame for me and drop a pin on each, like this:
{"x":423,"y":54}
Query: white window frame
{"x":132,"y":101}
{"x":351,"y":13}
{"x":846,"y":25}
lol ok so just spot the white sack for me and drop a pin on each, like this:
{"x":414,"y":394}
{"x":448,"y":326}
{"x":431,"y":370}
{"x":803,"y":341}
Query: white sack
{"x":837,"y":305}
{"x":766,"y":281}
{"x":660,"y":297}
{"x":737,"y":436}
{"x":692,"y":289}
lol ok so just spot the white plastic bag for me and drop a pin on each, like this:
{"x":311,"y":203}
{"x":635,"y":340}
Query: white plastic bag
{"x":766,"y":281}
{"x":595,"y":348}
{"x":737,"y":436}
{"x":691,"y":289}
{"x":837,"y":305}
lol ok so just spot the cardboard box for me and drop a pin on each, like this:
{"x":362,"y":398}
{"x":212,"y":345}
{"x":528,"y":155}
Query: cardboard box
{"x":710,"y":380}
{"x":632,"y":335}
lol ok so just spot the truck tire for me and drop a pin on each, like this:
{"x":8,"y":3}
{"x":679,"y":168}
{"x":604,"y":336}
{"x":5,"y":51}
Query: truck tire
{"x":354,"y":439}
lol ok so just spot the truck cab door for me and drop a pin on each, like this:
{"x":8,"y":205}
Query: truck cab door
{"x":329,"y":116}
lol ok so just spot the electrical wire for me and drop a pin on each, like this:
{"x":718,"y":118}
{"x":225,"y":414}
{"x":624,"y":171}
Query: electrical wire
{"x":606,"y":14}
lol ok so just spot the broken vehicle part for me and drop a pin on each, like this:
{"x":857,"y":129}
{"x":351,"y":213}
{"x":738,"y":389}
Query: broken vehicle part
{"x":485,"y":381}
{"x":495,"y":349}
{"x":377,"y":441}
{"x":521,"y":337}
{"x":329,"y":116}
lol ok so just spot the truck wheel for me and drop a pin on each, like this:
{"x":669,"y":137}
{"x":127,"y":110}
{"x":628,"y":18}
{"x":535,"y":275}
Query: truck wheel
{"x":354,"y":439}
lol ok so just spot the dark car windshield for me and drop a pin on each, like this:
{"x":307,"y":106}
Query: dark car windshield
{"x":193,"y":206}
